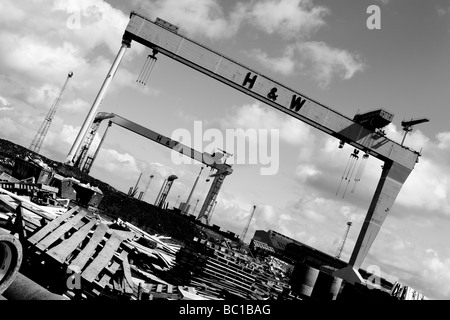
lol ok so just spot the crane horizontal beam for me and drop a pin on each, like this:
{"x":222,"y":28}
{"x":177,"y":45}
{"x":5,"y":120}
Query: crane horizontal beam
{"x":287,"y":100}
{"x":413,"y":122}
{"x":205,"y":158}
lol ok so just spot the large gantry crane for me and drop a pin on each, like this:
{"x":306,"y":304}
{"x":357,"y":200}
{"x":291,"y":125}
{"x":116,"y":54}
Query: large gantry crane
{"x":213,"y":161}
{"x":399,"y":161}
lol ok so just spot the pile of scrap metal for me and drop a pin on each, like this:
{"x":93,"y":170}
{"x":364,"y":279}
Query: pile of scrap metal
{"x":34,"y":178}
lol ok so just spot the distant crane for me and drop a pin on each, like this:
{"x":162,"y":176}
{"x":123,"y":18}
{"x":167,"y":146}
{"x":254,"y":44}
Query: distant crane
{"x":341,"y":245}
{"x":142,"y":194}
{"x":407,"y":125}
{"x":244,"y":233}
{"x":36,"y":144}
{"x":132,"y":192}
{"x":160,"y":202}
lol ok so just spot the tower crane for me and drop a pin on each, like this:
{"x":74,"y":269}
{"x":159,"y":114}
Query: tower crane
{"x":244,"y":233}
{"x":134,"y":190}
{"x":362,"y":133}
{"x":36,"y":144}
{"x":344,"y":238}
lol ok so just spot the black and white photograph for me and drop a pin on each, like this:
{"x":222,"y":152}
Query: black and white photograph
{"x":234,"y":157}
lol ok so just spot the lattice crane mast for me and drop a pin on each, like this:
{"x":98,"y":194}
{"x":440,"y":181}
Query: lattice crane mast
{"x":36,"y":144}
{"x":344,"y":238}
{"x":244,"y":233}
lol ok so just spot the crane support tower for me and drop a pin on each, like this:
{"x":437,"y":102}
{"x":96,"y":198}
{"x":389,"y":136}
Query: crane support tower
{"x":344,"y":238}
{"x":244,"y":233}
{"x":214,"y":161}
{"x":399,"y":161}
{"x":143,"y":193}
{"x":36,"y":144}
{"x":165,"y":191}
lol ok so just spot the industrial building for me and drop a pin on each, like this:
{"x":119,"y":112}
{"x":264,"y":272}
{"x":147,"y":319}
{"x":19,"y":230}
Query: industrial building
{"x":292,"y":251}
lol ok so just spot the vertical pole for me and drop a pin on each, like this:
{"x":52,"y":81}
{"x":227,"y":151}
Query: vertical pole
{"x":190,"y":194}
{"x":137,"y":183}
{"x":147,"y":186}
{"x":193,"y":211}
{"x":98,"y":100}
{"x":160,"y":191}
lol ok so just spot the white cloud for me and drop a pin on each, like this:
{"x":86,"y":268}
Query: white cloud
{"x":428,"y":186}
{"x":31,"y":55}
{"x":288,"y":18}
{"x":306,"y":171}
{"x":113,"y":162}
{"x":44,"y":95}
{"x":75,"y":106}
{"x":325,"y":62}
{"x":292,"y":19}
{"x":9,"y":127}
{"x":423,"y":269}
{"x":37,"y":53}
{"x":4,"y":101}
{"x":99,"y":23}
{"x":316,"y":59}
{"x":197,"y":17}
{"x":441,"y":11}
{"x":284,"y":64}
{"x":444,"y":140}
{"x":256,"y":116}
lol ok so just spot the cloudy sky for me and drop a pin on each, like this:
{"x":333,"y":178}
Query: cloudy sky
{"x":321,"y":48}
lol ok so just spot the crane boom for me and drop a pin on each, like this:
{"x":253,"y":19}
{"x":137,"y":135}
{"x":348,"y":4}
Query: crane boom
{"x":253,"y":83}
